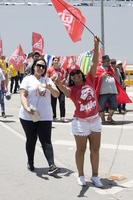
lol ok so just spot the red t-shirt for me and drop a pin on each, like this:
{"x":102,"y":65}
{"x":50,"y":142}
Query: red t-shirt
{"x":51,"y":71}
{"x":84,"y":98}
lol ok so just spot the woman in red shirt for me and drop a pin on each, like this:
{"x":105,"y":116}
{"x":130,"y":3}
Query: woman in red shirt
{"x":86,"y":124}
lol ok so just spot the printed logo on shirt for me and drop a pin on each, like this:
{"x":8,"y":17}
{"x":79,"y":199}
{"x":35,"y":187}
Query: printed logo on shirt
{"x":87,"y":94}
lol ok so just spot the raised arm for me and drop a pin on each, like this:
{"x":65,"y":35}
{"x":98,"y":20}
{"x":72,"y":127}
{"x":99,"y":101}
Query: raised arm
{"x":66,"y":90}
{"x":95,"y":57}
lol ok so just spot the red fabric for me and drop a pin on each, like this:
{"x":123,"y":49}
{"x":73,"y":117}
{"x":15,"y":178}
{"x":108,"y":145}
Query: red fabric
{"x":72,"y":19}
{"x":1,"y":48}
{"x":37,"y":43}
{"x":51,"y":71}
{"x":84,"y":98}
{"x":122,"y":96}
{"x":67,"y":61}
{"x":17,"y":58}
{"x":73,"y":67}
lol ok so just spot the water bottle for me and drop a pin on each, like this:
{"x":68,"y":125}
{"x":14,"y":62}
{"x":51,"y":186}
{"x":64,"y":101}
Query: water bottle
{"x":35,"y":116}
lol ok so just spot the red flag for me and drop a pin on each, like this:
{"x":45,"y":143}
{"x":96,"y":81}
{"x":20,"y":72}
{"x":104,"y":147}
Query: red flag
{"x":72,"y":19}
{"x":1,"y":47}
{"x":17,"y":58}
{"x":37,"y":43}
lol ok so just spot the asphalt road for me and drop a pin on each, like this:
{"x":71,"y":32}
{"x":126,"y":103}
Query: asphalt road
{"x":116,"y":161}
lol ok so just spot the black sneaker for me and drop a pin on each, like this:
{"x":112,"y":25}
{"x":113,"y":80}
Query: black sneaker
{"x":52,"y":169}
{"x":3,"y":114}
{"x":30,"y":167}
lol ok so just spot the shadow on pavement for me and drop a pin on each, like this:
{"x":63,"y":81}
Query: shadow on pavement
{"x":9,"y":115}
{"x":43,"y":173}
{"x":107,"y":184}
{"x":62,"y":121}
{"x":7,"y":121}
{"x":123,"y":122}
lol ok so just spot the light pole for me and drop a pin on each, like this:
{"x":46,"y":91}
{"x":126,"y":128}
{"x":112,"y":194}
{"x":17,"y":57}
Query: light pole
{"x":102,"y":26}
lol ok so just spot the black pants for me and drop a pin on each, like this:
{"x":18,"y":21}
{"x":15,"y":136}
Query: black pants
{"x":33,"y":130}
{"x":14,"y":80}
{"x":61,"y":99}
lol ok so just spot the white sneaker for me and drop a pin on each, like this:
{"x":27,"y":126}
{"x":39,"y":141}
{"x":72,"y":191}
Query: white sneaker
{"x":81,"y":180}
{"x":63,"y":119}
{"x":96,"y":181}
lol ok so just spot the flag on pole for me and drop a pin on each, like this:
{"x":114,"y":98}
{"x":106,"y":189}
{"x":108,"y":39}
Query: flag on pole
{"x":37,"y":43}
{"x":1,"y":47}
{"x":17,"y":58}
{"x":72,"y":19}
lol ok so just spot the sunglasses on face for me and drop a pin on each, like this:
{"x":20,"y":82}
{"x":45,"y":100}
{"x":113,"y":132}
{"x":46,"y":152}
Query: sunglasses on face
{"x":74,"y":73}
{"x":113,"y":63}
{"x":41,"y":65}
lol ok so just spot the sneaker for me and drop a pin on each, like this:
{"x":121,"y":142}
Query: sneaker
{"x":3,"y":114}
{"x":96,"y":181}
{"x":110,"y":120}
{"x":81,"y":180}
{"x":30,"y":167}
{"x":55,"y":119}
{"x":63,"y":119}
{"x":52,"y":169}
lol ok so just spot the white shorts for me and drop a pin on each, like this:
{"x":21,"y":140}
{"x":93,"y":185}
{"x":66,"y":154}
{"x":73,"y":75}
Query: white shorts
{"x":84,"y":127}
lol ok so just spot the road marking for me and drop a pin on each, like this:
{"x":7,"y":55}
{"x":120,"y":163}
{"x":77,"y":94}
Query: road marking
{"x":103,"y":146}
{"x":22,"y":137}
{"x":70,"y":143}
{"x":115,"y":189}
{"x":121,"y":126}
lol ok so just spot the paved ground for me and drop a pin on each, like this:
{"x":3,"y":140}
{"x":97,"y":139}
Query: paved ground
{"x":116,"y":159}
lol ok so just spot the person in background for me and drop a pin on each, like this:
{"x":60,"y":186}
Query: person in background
{"x":4,"y":88}
{"x":36,"y":112}
{"x":21,"y":73}
{"x":86,"y":124}
{"x":33,"y":56}
{"x":53,"y":72}
{"x":13,"y":74}
{"x":119,"y":65}
{"x":107,"y":90}
{"x":2,"y":85}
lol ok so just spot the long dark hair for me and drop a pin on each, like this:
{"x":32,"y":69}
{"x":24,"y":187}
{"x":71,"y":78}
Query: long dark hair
{"x":34,"y":64}
{"x":70,"y":81}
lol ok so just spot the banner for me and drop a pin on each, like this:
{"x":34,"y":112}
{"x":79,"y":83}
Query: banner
{"x":37,"y":43}
{"x":72,"y":19}
{"x":17,"y":58}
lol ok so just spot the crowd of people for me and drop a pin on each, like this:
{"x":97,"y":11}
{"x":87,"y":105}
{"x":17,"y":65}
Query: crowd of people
{"x":100,"y":91}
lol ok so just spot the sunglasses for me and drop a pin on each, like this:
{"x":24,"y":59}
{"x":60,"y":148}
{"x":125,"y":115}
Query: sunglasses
{"x":113,"y":63}
{"x":41,"y":65}
{"x":75,"y":72}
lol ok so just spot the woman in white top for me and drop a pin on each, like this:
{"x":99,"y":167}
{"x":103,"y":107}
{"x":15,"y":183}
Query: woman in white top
{"x":36,"y":113}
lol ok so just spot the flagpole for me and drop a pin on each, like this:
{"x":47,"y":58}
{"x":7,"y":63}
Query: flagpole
{"x":79,"y":20}
{"x":102,"y":26}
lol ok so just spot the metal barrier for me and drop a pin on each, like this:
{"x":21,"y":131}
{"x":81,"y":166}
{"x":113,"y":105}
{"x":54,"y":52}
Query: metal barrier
{"x":129,"y":75}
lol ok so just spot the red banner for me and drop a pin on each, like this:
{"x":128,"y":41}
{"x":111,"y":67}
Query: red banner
{"x":37,"y":43}
{"x":72,"y":19}
{"x":17,"y":58}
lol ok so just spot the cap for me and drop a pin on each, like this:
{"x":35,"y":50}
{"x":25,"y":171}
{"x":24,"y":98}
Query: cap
{"x":73,"y":68}
{"x":105,"y":58}
{"x":113,"y":61}
{"x":36,"y":53}
{"x":118,"y":62}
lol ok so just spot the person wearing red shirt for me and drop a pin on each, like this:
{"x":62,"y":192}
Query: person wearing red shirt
{"x":53,"y":72}
{"x":86,"y":123}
